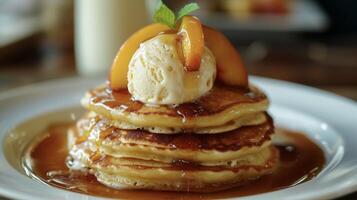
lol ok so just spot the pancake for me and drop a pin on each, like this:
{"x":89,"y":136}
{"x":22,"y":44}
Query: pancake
{"x":192,"y":177}
{"x":221,"y":106}
{"x":128,"y":173}
{"x":246,"y":120}
{"x":168,"y":147}
{"x":179,"y":162}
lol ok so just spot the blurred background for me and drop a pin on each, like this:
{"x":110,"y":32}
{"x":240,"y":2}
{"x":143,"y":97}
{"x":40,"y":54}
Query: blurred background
{"x":313,"y":42}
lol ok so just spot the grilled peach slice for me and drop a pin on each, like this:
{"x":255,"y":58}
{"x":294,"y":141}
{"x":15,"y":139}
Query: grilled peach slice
{"x":230,"y":69}
{"x":118,"y":74}
{"x":192,"y":42}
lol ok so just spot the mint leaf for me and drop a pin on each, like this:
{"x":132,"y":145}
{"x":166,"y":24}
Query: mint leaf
{"x":187,"y":9}
{"x":164,"y":15}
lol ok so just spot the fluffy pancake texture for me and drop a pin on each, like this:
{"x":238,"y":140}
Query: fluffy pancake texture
{"x":221,"y":106}
{"x":217,"y":142}
{"x":193,"y":178}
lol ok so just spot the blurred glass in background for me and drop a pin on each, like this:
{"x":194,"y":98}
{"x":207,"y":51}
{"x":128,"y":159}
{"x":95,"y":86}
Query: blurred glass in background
{"x":307,"y":41}
{"x":100,"y":30}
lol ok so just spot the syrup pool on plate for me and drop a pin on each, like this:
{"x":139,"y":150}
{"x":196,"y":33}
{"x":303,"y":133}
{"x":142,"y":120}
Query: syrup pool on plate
{"x":300,"y":160}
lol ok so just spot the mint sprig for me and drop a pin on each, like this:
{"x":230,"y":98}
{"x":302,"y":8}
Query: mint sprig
{"x":165,"y":15}
{"x":187,"y":9}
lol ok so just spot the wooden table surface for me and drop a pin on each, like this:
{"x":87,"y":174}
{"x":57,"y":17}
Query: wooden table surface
{"x":330,"y":68}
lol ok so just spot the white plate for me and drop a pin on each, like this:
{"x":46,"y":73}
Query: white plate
{"x":328,"y":119}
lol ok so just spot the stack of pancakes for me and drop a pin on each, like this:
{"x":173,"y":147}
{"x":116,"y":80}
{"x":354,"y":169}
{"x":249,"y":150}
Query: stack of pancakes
{"x":219,"y":141}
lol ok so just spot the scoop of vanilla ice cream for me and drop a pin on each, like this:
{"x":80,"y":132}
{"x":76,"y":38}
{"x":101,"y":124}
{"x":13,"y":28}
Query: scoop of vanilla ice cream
{"x":156,"y":74}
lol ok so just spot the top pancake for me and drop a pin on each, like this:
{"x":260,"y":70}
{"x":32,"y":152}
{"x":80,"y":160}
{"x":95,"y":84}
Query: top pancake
{"x":220,"y":106}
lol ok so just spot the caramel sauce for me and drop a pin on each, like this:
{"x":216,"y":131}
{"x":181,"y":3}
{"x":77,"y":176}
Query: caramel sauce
{"x":120,"y":99}
{"x":300,"y":160}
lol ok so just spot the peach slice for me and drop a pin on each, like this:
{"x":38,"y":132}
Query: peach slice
{"x":118,"y":74}
{"x":192,"y":42}
{"x":230,"y":69}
